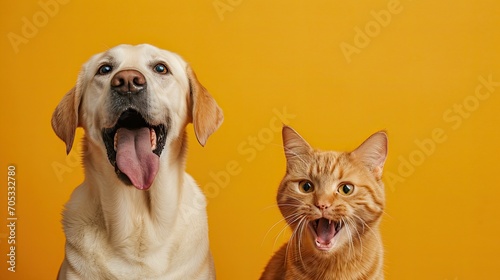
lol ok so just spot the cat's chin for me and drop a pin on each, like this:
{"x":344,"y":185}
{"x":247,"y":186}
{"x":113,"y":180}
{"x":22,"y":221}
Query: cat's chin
{"x":324,"y":233}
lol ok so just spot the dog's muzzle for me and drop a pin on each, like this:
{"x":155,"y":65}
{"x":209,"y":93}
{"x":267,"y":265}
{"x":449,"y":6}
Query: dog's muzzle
{"x":133,"y":144}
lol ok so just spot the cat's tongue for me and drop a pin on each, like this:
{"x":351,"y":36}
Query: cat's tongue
{"x":135,"y":158}
{"x":325,"y":231}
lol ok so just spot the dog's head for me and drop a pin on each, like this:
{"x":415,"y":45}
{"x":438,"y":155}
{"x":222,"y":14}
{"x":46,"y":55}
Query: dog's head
{"x":132,"y":101}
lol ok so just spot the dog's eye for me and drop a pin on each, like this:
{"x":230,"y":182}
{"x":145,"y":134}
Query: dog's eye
{"x":160,"y":68}
{"x":104,"y":69}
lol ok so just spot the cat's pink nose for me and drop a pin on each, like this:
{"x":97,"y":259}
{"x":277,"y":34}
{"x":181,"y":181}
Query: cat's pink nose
{"x":322,"y":206}
{"x":323,"y":202}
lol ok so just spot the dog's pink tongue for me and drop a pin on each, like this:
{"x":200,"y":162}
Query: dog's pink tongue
{"x":135,"y":158}
{"x":325,"y":231}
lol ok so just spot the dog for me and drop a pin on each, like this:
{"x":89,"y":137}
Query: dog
{"x":137,"y":214}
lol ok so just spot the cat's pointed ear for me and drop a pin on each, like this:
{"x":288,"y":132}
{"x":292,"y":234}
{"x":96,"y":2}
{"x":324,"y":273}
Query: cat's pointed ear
{"x":373,"y":152}
{"x":295,"y":146}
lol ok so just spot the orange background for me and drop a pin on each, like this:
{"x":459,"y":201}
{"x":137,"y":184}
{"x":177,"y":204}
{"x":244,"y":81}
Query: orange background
{"x":336,"y":71}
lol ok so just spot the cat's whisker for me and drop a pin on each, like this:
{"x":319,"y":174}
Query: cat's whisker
{"x":357,"y":231}
{"x":288,"y":204}
{"x":369,"y":228}
{"x":269,"y":207}
{"x":293,"y":215}
{"x":349,"y":235}
{"x":363,"y":223}
{"x":303,"y":224}
{"x":291,"y":154}
{"x":276,"y":239}
{"x":287,"y":249}
{"x":387,"y":214}
{"x":300,"y":231}
{"x":346,"y":228}
{"x":295,"y":198}
{"x":294,"y":235}
{"x":295,"y":219}
{"x":353,"y":223}
{"x":275,"y":224}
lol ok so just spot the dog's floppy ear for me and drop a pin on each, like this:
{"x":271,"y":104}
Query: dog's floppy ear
{"x":65,"y":117}
{"x":206,"y":115}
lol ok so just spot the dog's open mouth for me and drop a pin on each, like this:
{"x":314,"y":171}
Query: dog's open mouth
{"x":134,"y":147}
{"x":324,"y":231}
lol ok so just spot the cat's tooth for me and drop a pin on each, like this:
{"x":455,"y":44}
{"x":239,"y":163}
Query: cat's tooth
{"x":329,"y":222}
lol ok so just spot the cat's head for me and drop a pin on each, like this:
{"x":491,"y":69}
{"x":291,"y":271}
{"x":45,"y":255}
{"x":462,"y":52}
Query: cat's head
{"x":331,"y":199}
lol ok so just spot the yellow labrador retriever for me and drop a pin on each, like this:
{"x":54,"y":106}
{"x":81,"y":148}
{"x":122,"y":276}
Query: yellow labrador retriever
{"x":137,"y":215}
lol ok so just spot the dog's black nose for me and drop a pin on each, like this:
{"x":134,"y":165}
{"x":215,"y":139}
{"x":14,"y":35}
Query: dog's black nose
{"x":128,"y":82}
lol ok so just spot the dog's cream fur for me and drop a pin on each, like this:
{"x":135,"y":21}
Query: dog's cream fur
{"x":113,"y":230}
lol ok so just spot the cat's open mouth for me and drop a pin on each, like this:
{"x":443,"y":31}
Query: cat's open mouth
{"x":324,"y":231}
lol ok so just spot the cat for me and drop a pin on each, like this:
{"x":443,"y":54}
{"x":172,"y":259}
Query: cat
{"x":333,"y":202}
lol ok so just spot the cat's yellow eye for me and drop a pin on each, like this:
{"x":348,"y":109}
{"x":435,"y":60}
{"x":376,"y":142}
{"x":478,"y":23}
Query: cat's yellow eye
{"x":306,"y":186}
{"x":346,"y":189}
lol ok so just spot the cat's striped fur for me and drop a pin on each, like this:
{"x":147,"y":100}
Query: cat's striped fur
{"x":333,"y":202}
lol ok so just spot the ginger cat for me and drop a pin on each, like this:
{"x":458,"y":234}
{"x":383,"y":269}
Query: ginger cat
{"x":333,"y":202}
